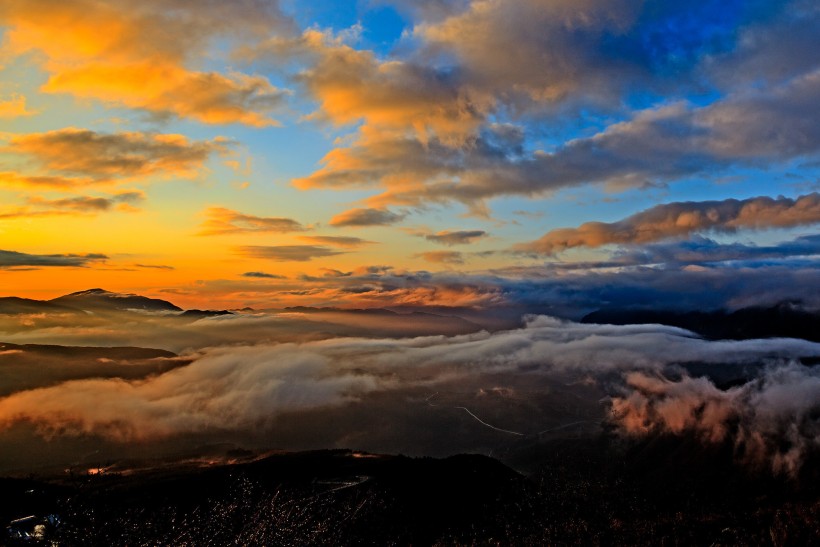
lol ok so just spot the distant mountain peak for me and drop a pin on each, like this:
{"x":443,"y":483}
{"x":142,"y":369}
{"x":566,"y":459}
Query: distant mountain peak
{"x":101,"y":299}
{"x":89,"y":292}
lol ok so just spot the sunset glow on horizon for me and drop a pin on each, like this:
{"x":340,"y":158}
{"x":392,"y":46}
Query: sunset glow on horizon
{"x":263,"y":153}
{"x":409,"y":272}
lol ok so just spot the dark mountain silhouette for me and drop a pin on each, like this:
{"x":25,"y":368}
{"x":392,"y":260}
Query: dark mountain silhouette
{"x":14,"y":305}
{"x":102,"y":300}
{"x":200,"y":314}
{"x":29,"y":366}
{"x":784,"y":320}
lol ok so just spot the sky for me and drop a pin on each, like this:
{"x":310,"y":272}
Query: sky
{"x":383,"y":152}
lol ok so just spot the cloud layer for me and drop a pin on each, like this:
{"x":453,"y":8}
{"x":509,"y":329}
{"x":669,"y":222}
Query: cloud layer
{"x":771,"y":420}
{"x":672,"y":220}
{"x":241,"y":388}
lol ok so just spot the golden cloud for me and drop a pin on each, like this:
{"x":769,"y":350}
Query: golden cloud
{"x":443,"y":257}
{"x":136,"y":55}
{"x":14,"y":107}
{"x":73,"y":156}
{"x":225,"y":221}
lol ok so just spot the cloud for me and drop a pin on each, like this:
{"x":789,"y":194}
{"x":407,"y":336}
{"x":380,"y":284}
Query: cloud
{"x":665,"y":142}
{"x":263,"y":275}
{"x":432,"y":10}
{"x":155,"y":266}
{"x":223,"y":221}
{"x":386,"y":95}
{"x":771,"y":421}
{"x":78,"y":205}
{"x":671,"y":141}
{"x":458,"y":237}
{"x":137,"y":56}
{"x":594,"y":53}
{"x":286,"y":253}
{"x":206,"y":97}
{"x":16,"y":213}
{"x":379,"y":385}
{"x":561,"y":289}
{"x":130,"y":197}
{"x":88,"y":203}
{"x":658,"y":145}
{"x":682,"y":288}
{"x":366,"y":217}
{"x":11,"y":179}
{"x":277,"y":382}
{"x":700,"y":250}
{"x":103,"y":157}
{"x":681,"y":219}
{"x":443,"y":257}
{"x":12,"y":259}
{"x":499,"y":44}
{"x":774,"y":49}
{"x":15,"y":107}
{"x":337,"y":241}
{"x":415,"y":172}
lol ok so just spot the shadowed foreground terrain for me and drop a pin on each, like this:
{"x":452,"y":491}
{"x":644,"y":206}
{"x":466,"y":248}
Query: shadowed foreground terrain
{"x":551,"y":433}
{"x":668,"y":491}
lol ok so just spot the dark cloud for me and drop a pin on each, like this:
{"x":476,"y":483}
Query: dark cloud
{"x":12,"y":179}
{"x":28,"y":212}
{"x":772,"y":50}
{"x":12,"y":259}
{"x":81,"y":203}
{"x":286,"y":253}
{"x":263,"y":275}
{"x":458,"y":237}
{"x":74,"y":206}
{"x":443,"y":257}
{"x":683,"y":219}
{"x":130,"y":197}
{"x":89,"y":204}
{"x":337,"y":241}
{"x":701,"y":250}
{"x":223,"y":221}
{"x":591,"y":52}
{"x":498,"y":43}
{"x":366,"y":217}
{"x":155,"y":266}
{"x":684,"y":288}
